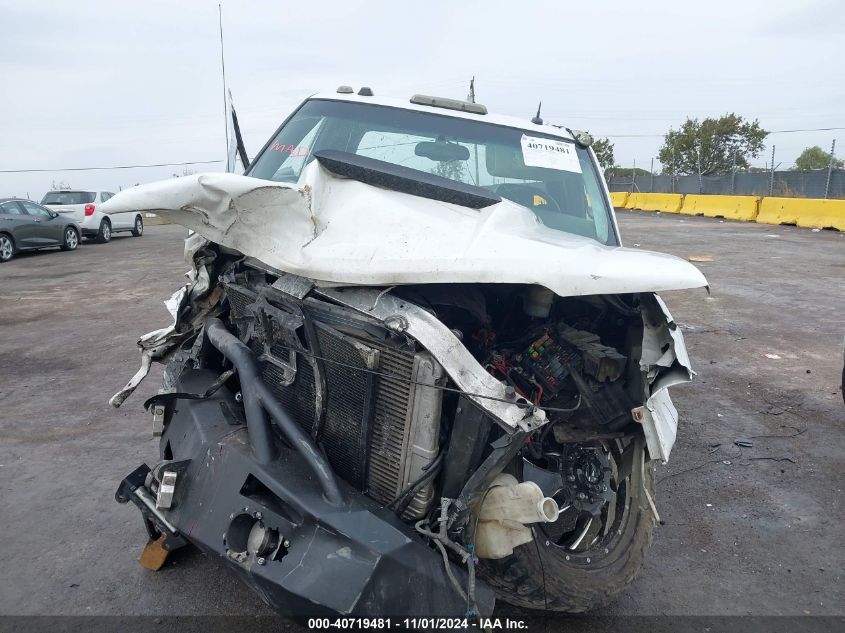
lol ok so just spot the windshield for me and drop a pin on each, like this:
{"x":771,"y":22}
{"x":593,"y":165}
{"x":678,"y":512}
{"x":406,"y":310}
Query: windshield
{"x":68,"y":197}
{"x":553,"y":177}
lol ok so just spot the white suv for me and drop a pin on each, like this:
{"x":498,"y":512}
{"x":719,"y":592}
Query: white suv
{"x":83,"y":208}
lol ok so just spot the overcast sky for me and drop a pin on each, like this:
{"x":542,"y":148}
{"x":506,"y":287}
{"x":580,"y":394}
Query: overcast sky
{"x":116,"y":83}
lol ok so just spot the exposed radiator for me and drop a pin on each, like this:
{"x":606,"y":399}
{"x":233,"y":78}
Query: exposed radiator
{"x":379,"y":432}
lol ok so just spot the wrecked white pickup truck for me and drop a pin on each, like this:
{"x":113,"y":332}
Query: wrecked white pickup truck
{"x":413,"y":369}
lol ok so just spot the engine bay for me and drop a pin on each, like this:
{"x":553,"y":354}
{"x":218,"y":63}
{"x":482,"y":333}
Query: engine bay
{"x":481,"y":417}
{"x":576,"y":358}
{"x":383,"y":408}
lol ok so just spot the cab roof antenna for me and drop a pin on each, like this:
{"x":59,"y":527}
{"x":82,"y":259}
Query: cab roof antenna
{"x":537,"y":120}
{"x":471,"y":95}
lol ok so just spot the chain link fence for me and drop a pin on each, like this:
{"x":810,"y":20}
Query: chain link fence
{"x":788,"y":184}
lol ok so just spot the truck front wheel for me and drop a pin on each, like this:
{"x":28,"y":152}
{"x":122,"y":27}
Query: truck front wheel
{"x":597,"y":546}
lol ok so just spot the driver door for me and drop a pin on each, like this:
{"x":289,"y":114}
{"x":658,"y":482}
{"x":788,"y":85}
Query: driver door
{"x":21,"y":225}
{"x":45,"y":230}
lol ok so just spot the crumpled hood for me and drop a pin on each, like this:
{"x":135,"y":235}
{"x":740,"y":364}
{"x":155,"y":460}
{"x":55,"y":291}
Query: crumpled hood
{"x":338,"y":231}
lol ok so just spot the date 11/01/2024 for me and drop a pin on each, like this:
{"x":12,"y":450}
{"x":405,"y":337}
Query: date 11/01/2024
{"x":418,"y":623}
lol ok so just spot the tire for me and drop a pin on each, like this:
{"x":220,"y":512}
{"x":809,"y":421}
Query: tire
{"x":104,"y":234}
{"x":539,"y":576}
{"x":71,"y":239}
{"x":138,"y":229}
{"x":7,"y":247}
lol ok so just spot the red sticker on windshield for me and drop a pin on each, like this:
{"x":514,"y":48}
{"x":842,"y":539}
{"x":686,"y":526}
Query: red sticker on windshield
{"x":293,"y":150}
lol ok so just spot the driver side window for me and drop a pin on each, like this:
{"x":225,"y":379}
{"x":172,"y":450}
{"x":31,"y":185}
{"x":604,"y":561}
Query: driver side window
{"x":34,"y":209}
{"x":290,"y":151}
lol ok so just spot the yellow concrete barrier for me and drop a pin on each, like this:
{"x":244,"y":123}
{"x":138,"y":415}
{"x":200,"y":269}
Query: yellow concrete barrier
{"x":665,"y":202}
{"x":731,"y":207}
{"x":618,"y":198}
{"x":807,"y":212}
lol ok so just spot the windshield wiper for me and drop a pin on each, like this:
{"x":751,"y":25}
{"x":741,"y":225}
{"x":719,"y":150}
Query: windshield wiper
{"x":380,"y":173}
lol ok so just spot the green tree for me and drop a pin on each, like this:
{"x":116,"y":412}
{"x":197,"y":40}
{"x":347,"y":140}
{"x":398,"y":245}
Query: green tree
{"x":453,"y":169}
{"x":717,"y":141}
{"x":604,"y":153}
{"x":815,"y":158}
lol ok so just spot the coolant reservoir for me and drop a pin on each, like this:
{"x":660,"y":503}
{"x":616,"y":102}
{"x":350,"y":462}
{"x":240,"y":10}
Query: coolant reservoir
{"x":509,"y":500}
{"x":507,"y":507}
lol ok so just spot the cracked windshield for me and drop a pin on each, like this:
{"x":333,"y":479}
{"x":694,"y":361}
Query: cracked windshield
{"x":554,"y":178}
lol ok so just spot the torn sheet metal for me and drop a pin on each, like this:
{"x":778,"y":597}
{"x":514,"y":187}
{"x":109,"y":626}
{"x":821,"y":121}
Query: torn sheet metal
{"x":338,"y":231}
{"x":195,"y":299}
{"x":664,"y":358}
{"x":467,"y":373}
{"x":153,"y":345}
{"x":659,"y":418}
{"x":664,"y":363}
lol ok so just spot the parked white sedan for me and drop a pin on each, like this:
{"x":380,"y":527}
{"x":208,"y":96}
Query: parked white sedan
{"x":83,"y":208}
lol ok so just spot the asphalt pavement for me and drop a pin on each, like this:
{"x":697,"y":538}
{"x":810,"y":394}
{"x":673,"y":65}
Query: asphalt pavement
{"x":745,"y":530}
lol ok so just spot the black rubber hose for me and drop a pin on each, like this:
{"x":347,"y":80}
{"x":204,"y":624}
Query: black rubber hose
{"x":404,"y":498}
{"x":259,"y":401}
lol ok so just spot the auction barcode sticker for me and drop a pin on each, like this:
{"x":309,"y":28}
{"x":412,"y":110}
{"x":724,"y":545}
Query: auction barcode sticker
{"x":549,"y":153}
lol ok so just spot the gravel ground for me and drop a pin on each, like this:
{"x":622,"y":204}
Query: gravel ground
{"x":754,"y":530}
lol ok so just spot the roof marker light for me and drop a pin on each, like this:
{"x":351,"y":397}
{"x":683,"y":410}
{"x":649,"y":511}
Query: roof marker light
{"x":449,"y":104}
{"x":584,"y":139}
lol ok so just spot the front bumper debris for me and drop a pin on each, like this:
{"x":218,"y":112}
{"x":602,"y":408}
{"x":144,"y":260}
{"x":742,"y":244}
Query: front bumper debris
{"x":273,"y":525}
